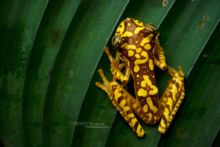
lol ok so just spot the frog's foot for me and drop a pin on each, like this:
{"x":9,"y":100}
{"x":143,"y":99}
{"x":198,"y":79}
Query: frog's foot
{"x":121,"y":101}
{"x":172,"y":72}
{"x":106,"y":83}
{"x":171,"y":98}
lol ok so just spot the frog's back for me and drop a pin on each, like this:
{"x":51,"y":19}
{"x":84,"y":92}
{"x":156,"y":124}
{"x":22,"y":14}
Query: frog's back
{"x":136,"y":49}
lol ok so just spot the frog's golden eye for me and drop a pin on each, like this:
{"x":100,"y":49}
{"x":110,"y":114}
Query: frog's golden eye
{"x":116,"y":40}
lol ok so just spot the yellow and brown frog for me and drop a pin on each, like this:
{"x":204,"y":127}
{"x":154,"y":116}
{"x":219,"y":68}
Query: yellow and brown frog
{"x":137,"y":52}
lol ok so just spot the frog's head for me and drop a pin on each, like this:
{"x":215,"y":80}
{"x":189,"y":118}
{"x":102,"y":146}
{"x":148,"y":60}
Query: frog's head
{"x":118,"y":38}
{"x":130,"y":30}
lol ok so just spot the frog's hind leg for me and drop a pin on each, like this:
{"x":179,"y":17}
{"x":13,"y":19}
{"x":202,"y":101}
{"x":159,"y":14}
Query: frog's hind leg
{"x":171,"y":98}
{"x":120,"y":100}
{"x":122,"y":105}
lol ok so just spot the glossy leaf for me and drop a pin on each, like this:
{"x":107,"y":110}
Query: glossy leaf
{"x":97,"y":115}
{"x":51,"y":32}
{"x":198,"y":120}
{"x":18,"y":27}
{"x":173,"y":34}
{"x":50,"y":54}
{"x":74,"y":67}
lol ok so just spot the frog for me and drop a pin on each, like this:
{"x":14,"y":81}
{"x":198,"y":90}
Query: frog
{"x":138,"y":51}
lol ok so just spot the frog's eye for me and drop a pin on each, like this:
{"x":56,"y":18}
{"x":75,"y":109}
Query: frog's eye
{"x":116,"y":40}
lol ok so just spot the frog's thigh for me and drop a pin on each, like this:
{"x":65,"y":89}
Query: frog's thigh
{"x":170,"y":102}
{"x":121,"y":100}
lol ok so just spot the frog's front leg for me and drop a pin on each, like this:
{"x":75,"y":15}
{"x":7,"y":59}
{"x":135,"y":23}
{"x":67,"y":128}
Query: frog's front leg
{"x":159,"y":55}
{"x":171,"y":99}
{"x":116,"y":67}
{"x":122,"y":101}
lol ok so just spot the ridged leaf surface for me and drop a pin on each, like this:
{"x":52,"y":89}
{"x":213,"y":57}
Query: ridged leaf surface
{"x":50,"y":52}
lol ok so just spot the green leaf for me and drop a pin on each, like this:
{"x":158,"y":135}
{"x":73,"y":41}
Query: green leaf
{"x":97,"y":115}
{"x":182,"y":47}
{"x":149,"y":11}
{"x":50,"y":53}
{"x":74,"y":67}
{"x":185,"y":38}
{"x":125,"y":136}
{"x":198,"y":120}
{"x":50,"y":35}
{"x":18,"y":26}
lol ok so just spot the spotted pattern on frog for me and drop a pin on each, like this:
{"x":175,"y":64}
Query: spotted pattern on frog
{"x":118,"y":96}
{"x":138,"y":46}
{"x":169,"y":101}
{"x":137,"y":50}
